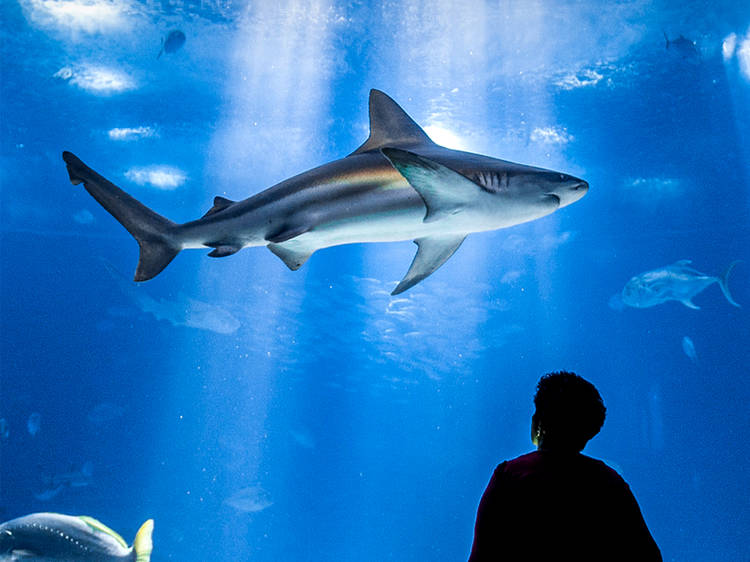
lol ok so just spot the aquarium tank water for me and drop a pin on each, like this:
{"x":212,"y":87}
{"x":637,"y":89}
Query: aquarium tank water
{"x":265,"y":414}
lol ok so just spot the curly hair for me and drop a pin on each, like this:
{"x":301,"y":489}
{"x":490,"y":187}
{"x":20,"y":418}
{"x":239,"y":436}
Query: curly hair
{"x":569,"y":410}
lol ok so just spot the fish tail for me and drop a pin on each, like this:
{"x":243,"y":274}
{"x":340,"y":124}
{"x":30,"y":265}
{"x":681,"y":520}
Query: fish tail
{"x":157,"y":236}
{"x":724,"y":283}
{"x":143,"y":544}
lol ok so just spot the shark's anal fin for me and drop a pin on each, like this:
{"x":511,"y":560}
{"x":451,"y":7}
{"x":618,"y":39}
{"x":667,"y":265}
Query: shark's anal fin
{"x":444,"y":191}
{"x":220,"y":203}
{"x":294,"y":259}
{"x":432,"y":252}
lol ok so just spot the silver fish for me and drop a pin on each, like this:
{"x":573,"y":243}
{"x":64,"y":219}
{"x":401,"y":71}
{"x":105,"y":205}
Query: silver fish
{"x":399,"y":185}
{"x":677,"y":282}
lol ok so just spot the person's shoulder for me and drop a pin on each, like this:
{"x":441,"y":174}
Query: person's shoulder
{"x":519,"y":464}
{"x":603,"y":469}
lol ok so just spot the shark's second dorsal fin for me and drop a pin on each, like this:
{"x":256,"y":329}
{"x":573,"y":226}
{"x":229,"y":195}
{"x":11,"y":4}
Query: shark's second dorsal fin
{"x":391,"y":126}
{"x":220,"y":203}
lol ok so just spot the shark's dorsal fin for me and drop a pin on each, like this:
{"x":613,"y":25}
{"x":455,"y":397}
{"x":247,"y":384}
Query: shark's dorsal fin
{"x":220,"y":203}
{"x":391,"y":126}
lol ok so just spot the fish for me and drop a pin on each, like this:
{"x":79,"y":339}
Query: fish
{"x":104,"y":413}
{"x":34,"y":423}
{"x":185,"y":311}
{"x":689,"y":348}
{"x":174,"y":41}
{"x":48,"y":537}
{"x":678,"y":282}
{"x":398,"y":185}
{"x":249,"y":500}
{"x":683,"y":46}
{"x":56,"y":483}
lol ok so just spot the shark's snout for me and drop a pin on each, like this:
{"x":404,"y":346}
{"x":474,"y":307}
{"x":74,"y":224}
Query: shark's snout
{"x":570,"y":190}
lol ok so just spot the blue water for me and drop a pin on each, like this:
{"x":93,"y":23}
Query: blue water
{"x":262,"y":414}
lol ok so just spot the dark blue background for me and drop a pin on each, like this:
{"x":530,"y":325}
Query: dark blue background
{"x":372,"y":424}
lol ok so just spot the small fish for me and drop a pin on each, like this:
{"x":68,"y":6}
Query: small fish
{"x":683,"y":46}
{"x":34,"y":423}
{"x":249,"y":500}
{"x":105,"y":412}
{"x":173,"y":42}
{"x":673,"y":282}
{"x":689,"y":348}
{"x":54,"y":536}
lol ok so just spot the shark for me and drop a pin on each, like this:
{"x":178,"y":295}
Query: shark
{"x":398,"y":185}
{"x":55,"y":537}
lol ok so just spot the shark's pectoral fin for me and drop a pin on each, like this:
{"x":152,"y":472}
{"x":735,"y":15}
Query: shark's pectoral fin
{"x":444,"y":191}
{"x":293,"y":258}
{"x":431,"y":254}
{"x":220,"y":203}
{"x":224,"y":250}
{"x":690,"y":304}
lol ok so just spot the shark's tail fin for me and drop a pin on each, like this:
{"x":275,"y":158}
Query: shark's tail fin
{"x":143,"y":544}
{"x":156,"y":235}
{"x":724,"y":283}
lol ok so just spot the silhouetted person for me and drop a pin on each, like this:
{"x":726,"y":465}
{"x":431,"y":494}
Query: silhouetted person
{"x":555,"y":503}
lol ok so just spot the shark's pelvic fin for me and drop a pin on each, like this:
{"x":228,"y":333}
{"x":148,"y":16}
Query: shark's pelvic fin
{"x":220,"y":203}
{"x":391,"y":126}
{"x":155,"y":234}
{"x":143,"y":543}
{"x":444,"y":191}
{"x":432,"y":252}
{"x":294,"y":259}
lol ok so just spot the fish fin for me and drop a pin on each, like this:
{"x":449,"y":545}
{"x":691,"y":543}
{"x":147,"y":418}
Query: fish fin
{"x":432,"y":252}
{"x":294,"y":259}
{"x":143,"y":543}
{"x":690,"y":304}
{"x":157,"y":236}
{"x":220,"y":203}
{"x":444,"y":191}
{"x":724,"y":283}
{"x":391,"y":126}
{"x":288,"y":231}
{"x":102,"y":528}
{"x":224,"y":250}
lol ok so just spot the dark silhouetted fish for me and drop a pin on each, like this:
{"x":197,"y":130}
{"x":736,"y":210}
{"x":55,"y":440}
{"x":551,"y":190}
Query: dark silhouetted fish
{"x":173,"y":42}
{"x":53,"y":536}
{"x":682,"y":46}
